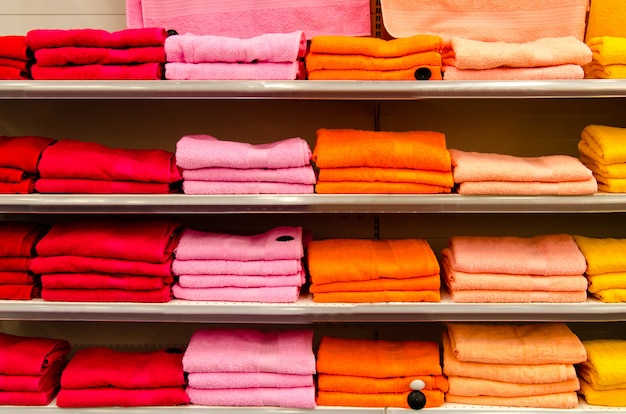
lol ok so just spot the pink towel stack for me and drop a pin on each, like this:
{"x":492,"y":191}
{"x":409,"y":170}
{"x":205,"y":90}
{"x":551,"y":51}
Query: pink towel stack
{"x":527,"y":365}
{"x":248,"y":367}
{"x":107,"y":261}
{"x":30,"y":369}
{"x":213,"y":166}
{"x":271,"y":56}
{"x":500,"y":174}
{"x":265,"y":267}
{"x":546,"y":268}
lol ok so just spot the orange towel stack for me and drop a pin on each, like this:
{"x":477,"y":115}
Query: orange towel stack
{"x":377,"y":373}
{"x":353,"y":270}
{"x":374,"y":162}
{"x":528,"y":365}
{"x":602,"y":149}
{"x":367,"y":58}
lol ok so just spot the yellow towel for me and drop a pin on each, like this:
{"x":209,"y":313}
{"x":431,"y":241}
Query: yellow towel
{"x":605,"y":367}
{"x":603,"y":255}
{"x":611,"y":295}
{"x":371,"y":46}
{"x":606,"y":142}
{"x":610,"y":185}
{"x":608,"y":50}
{"x":610,"y":398}
{"x":320,"y":61}
{"x":605,"y":170}
{"x":614,"y":280}
{"x":597,"y":71}
{"x":606,"y":18}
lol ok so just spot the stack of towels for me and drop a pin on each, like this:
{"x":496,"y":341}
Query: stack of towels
{"x":15,"y":58}
{"x":500,"y":174}
{"x":213,"y":166}
{"x":104,"y":377}
{"x":546,"y":58}
{"x":19,"y":158}
{"x":271,"y":56}
{"x":264,"y":267}
{"x":360,"y":162}
{"x":608,"y":58}
{"x":17,"y":248}
{"x":602,"y":149}
{"x":354,"y":270}
{"x":367,"y":58}
{"x":107,"y":261}
{"x":379,"y":373}
{"x":249,"y":367}
{"x":70,"y":166}
{"x":606,"y":267}
{"x":547,"y":268}
{"x":30,"y":369}
{"x":602,"y":374}
{"x":93,"y":54}
{"x":526,"y":365}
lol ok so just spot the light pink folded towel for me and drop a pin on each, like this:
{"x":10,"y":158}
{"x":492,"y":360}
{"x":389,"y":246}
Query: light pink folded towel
{"x":225,"y":187}
{"x":268,"y":47}
{"x":202,"y":151}
{"x":234,"y":380}
{"x":250,"y":350}
{"x":278,"y":243}
{"x":560,"y":72}
{"x":235,"y":268}
{"x":277,"y":294}
{"x":569,"y":188}
{"x":555,"y":254}
{"x":474,"y":54}
{"x":235,"y":71}
{"x":516,"y":296}
{"x":478,"y":166}
{"x":218,"y":281}
{"x":296,"y":175}
{"x":300,"y":397}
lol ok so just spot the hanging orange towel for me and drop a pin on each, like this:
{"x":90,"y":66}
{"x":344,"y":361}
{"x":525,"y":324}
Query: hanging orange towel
{"x":345,"y":260}
{"x":421,"y":73}
{"x":561,"y":400}
{"x":371,"y":46}
{"x":377,"y":297}
{"x":387,"y":175}
{"x":354,"y":384}
{"x":434,"y":398}
{"x":320,"y":61}
{"x":376,"y":187}
{"x":473,"y":387}
{"x":432,"y":282}
{"x":420,"y":150}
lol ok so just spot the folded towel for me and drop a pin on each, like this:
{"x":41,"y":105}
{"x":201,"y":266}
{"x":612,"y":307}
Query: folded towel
{"x":237,"y":268}
{"x":516,"y":296}
{"x":357,"y":384}
{"x":421,"y":73}
{"x":26,"y":186}
{"x":22,"y":152}
{"x":604,"y":368}
{"x":103,"y":281}
{"x":434,"y":398}
{"x":377,"y":297}
{"x":267,"y":47}
{"x":16,"y":278}
{"x":19,"y":238}
{"x":11,"y":73}
{"x":89,"y":186}
{"x":240,"y":380}
{"x":45,"y":382}
{"x":553,"y":254}
{"x":28,"y":398}
{"x":22,"y":65}
{"x":81,"y":264}
{"x":474,"y":54}
{"x":293,"y":397}
{"x":20,"y":355}
{"x":107,"y":295}
{"x":250,"y":350}
{"x":123,"y":39}
{"x":217,"y":187}
{"x":235,"y":71}
{"x":17,"y":264}
{"x":566,"y":188}
{"x":355,"y":187}
{"x":139,"y":71}
{"x":421,"y":150}
{"x":611,"y":295}
{"x":375,"y":47}
{"x":611,"y":185}
{"x":218,"y":281}
{"x":271,"y":294}
{"x":386,"y":175}
{"x":345,"y":260}
{"x":378,"y":285}
{"x":606,"y":143}
{"x":605,"y":19}
{"x":599,"y":282}
{"x":559,"y":400}
{"x":595,"y":71}
{"x":296,"y":175}
{"x":67,"y":56}
{"x":539,"y":343}
{"x":13,"y":47}
{"x":120,"y":397}
{"x":610,"y":398}
{"x":598,"y":168}
{"x":202,"y":151}
{"x":474,"y":387}
{"x":608,"y":50}
{"x":559,"y":72}
{"x":12,"y":175}
{"x":489,"y":20}
{"x":327,"y":61}
{"x":602,"y":255}
{"x":20,"y":292}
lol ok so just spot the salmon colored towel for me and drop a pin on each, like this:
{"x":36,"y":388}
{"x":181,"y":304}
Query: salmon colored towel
{"x":377,"y":285}
{"x":560,"y":400}
{"x":21,"y":355}
{"x":510,"y":373}
{"x":139,"y":71}
{"x":349,"y":260}
{"x":18,"y":238}
{"x":377,"y":297}
{"x":121,"y":397}
{"x":375,"y":47}
{"x":377,"y":358}
{"x":357,"y":384}
{"x":611,"y":295}
{"x":321,"y":61}
{"x":377,"y":187}
{"x":569,"y":188}
{"x":595,"y":71}
{"x":65,"y":56}
{"x":559,"y":72}
{"x":488,"y":20}
{"x":386,"y":175}
{"x":603,"y":255}
{"x":608,"y":50}
{"x":421,"y":150}
{"x":474,"y":387}
{"x":605,"y":365}
{"x":22,"y":152}
{"x":516,"y":296}
{"x":607,"y":144}
{"x":610,"y":398}
{"x":80,"y":264}
{"x":108,"y":295}
{"x":606,"y":18}
{"x":538,"y":343}
{"x":420,"y":73}
{"x":434,"y":398}
{"x":122,"y":39}
{"x":553,"y":254}
{"x":602,"y":281}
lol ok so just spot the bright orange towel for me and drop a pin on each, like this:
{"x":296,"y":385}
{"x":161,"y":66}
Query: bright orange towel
{"x":345,"y":260}
{"x":353,"y":384}
{"x":371,"y":46}
{"x":377,"y":297}
{"x":376,"y":187}
{"x":387,"y":175}
{"x":421,"y":73}
{"x":473,"y":387}
{"x":432,"y":282}
{"x":434,"y":398}
{"x":320,"y":61}
{"x":377,"y":358}
{"x":562,"y":400}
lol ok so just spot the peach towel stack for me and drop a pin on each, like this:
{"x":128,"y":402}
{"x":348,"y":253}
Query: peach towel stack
{"x":602,"y":149}
{"x":547,"y":268}
{"x":606,"y":267}
{"x":527,"y":365}
{"x":602,"y":375}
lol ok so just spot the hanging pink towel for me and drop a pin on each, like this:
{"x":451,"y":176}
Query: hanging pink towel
{"x":560,"y":72}
{"x":120,"y":397}
{"x":140,"y":71}
{"x":78,"y":264}
{"x":216,"y":187}
{"x":235,"y":268}
{"x":296,"y":175}
{"x":107,"y":295}
{"x":65,"y":56}
{"x":218,"y":281}
{"x":296,"y":397}
{"x":273,"y":294}
{"x":234,"y":380}
{"x":20,"y":355}
{"x":103,"y":281}
{"x":235,"y":71}
{"x":248,"y":18}
{"x":567,"y":188}
{"x":123,"y":39}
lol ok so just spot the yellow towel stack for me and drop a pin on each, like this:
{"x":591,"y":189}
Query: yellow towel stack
{"x":606,"y":267}
{"x":608,"y":58}
{"x":603,"y":150}
{"x":603,"y":375}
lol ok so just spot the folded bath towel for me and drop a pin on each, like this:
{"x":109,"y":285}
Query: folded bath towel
{"x":20,"y":292}
{"x":611,"y":185}
{"x":606,"y":143}
{"x":28,"y":398}
{"x":123,"y":39}
{"x":375,"y":47}
{"x":22,"y":65}
{"x":17,"y":278}
{"x":11,"y":73}
{"x":474,"y":387}
{"x":611,"y":295}
{"x":569,"y":188}
{"x":559,"y":400}
{"x":18,"y":238}
{"x":610,"y":398}
{"x":201,"y":151}
{"x":67,"y":56}
{"x":241,"y":380}
{"x":81,"y":264}
{"x":598,"y":168}
{"x":26,"y":186}
{"x":14,"y":47}
{"x":357,"y":384}
{"x":605,"y":19}
{"x":559,"y":72}
{"x":12,"y":175}
{"x":516,"y":296}
{"x":605,"y":366}
{"x":434,"y":398}
{"x":237,"y":268}
{"x":268,"y":47}
{"x":120,"y":397}
{"x":217,"y":187}
{"x":293,"y":397}
{"x":17,"y":264}
{"x":22,"y":152}
{"x":45,"y":382}
{"x":595,"y":71}
{"x":386,"y":175}
{"x":602,"y":255}
{"x":272,"y":294}
{"x":296,"y":175}
{"x":327,"y":61}
{"x":20,"y":355}
{"x":377,"y":187}
{"x":602,"y":281}
{"x":139,"y":71}
{"x":103,"y":281}
{"x":608,"y":50}
{"x":378,"y":285}
{"x":378,"y":296}
{"x":107,"y":295}
{"x":218,"y":281}
{"x":89,"y":186}
{"x":235,"y":71}
{"x":421,"y":73}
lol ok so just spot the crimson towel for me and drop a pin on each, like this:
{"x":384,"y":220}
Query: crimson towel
{"x":140,"y":71}
{"x":16,"y":278}
{"x":18,"y":264}
{"x":119,"y":397}
{"x":20,"y":292}
{"x":78,"y":264}
{"x":107,"y":295}
{"x":34,"y":383}
{"x":26,"y":186}
{"x":13,"y":47}
{"x":28,"y":398}
{"x":11,"y":73}
{"x":19,"y":238}
{"x":87,"y":186}
{"x":103,"y":281}
{"x":43,"y":38}
{"x":12,"y":175}
{"x":66,"y":56}
{"x":22,"y":152}
{"x":21,"y":355}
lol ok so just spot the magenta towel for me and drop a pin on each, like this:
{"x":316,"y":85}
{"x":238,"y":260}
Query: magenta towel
{"x":566,"y":188}
{"x":201,"y":151}
{"x":277,"y":294}
{"x":296,"y":175}
{"x":248,"y":18}
{"x":28,"y":398}
{"x":300,"y":397}
{"x":139,"y":71}
{"x":555,"y":254}
{"x":217,"y":281}
{"x":119,"y":397}
{"x":234,"y":380}
{"x":34,"y":383}
{"x":236,"y":268}
{"x":21,"y":355}
{"x":89,"y":186}
{"x":516,"y":296}
{"x":235,"y":71}
{"x":268,"y":47}
{"x":278,"y":243}
{"x":477,"y":166}
{"x":80,"y":264}
{"x":559,"y":72}
{"x":66,"y":56}
{"x":250,"y":350}
{"x":103,"y":281}
{"x":107,"y":295}
{"x":215,"y":187}
{"x":43,"y":38}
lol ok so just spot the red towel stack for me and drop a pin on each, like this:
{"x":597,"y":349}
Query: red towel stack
{"x":17,"y":242}
{"x":91,"y":54}
{"x":19,"y":157}
{"x":30,"y":369}
{"x":107,"y":261}
{"x":103,"y":377}
{"x":15,"y":61}
{"x":70,"y":166}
